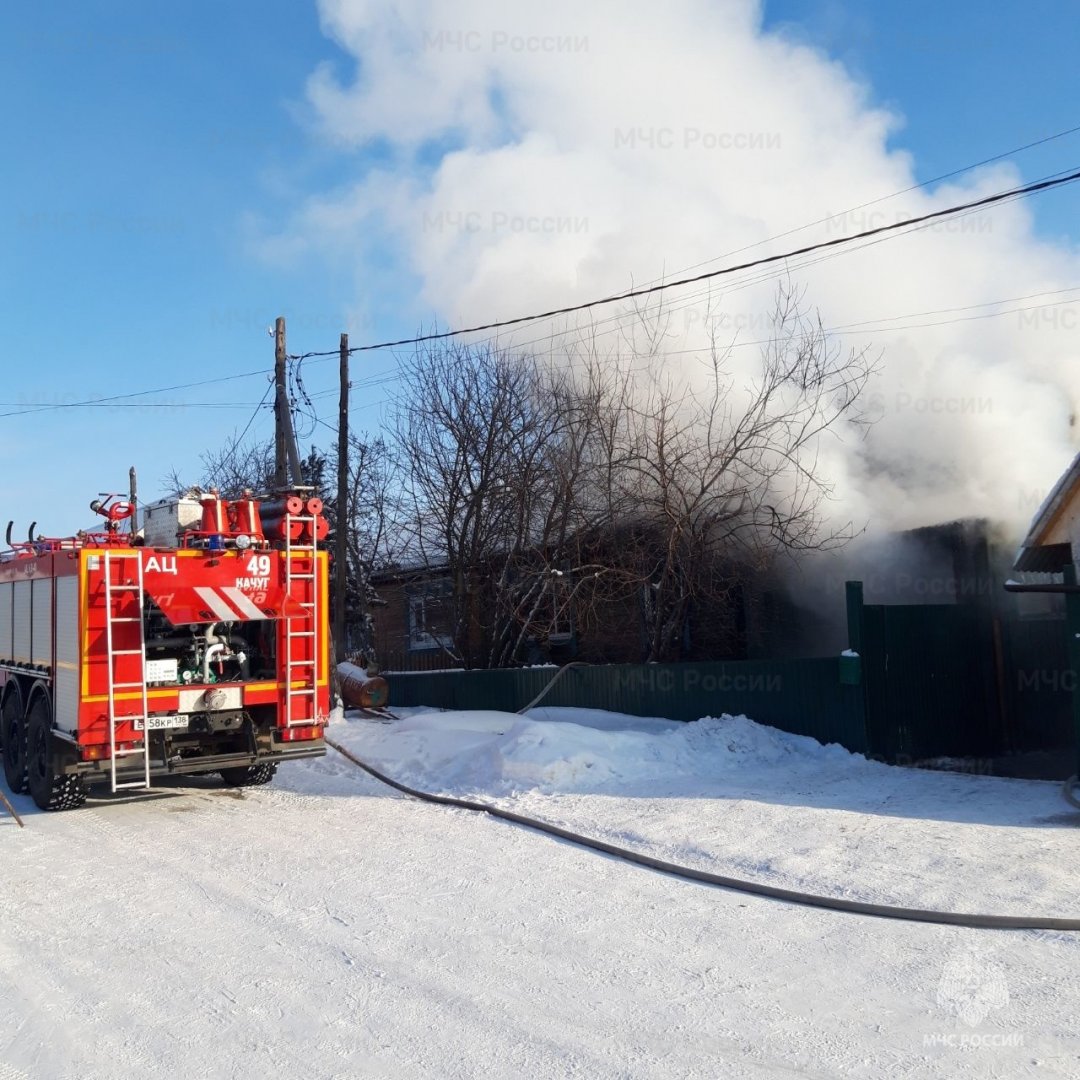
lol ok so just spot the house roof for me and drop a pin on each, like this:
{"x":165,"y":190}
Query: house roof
{"x":1035,"y":553}
{"x":409,"y":572}
{"x":956,"y":531}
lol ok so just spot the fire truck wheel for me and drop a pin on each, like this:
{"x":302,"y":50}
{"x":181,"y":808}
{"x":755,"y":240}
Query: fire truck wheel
{"x":13,"y":738}
{"x":250,"y":775}
{"x":51,"y":790}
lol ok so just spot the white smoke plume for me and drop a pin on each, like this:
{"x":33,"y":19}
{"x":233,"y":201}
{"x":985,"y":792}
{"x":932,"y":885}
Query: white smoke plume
{"x":537,"y":155}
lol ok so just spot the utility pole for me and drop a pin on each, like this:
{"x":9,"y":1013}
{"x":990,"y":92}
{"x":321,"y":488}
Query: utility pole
{"x":342,"y":525}
{"x":286,"y":452}
{"x":133,"y":499}
{"x":281,"y":406}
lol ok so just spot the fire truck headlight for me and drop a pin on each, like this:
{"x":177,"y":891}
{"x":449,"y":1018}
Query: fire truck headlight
{"x":243,"y":542}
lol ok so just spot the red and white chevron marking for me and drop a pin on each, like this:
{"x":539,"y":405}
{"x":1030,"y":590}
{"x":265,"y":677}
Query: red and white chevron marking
{"x":229,"y":604}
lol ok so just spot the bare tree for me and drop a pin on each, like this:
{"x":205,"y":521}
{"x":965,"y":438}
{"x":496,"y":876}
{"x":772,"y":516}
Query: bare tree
{"x":727,"y":477}
{"x":232,"y":468}
{"x":461,"y":423}
{"x":494,"y":448}
{"x":545,"y":489}
{"x":374,"y":537}
{"x":588,"y":485}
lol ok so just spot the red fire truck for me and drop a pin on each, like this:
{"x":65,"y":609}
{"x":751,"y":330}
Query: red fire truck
{"x":196,"y":643}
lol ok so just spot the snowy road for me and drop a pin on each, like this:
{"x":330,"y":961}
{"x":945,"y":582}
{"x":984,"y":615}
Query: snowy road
{"x":326,"y":927}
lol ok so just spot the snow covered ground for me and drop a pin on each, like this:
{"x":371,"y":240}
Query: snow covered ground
{"x":328,"y":927}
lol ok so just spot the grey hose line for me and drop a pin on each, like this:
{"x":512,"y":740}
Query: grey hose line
{"x":557,"y":676}
{"x":854,"y":907}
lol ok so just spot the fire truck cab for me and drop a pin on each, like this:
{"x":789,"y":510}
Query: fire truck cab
{"x":197,"y":644}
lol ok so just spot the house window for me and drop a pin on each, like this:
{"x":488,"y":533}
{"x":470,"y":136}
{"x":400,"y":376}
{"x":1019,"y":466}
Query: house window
{"x":429,"y":619}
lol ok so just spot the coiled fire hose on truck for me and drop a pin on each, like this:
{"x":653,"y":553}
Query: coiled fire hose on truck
{"x":754,"y":888}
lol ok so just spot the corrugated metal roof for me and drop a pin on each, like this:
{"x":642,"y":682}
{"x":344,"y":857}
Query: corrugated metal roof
{"x":1060,"y":493}
{"x":1044,"y":559}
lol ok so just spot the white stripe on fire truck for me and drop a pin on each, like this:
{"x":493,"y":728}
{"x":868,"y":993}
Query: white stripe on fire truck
{"x":216,"y":603}
{"x":245,"y":605}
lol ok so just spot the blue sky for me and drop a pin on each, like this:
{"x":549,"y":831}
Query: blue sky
{"x":970,"y":80}
{"x":153,"y":149}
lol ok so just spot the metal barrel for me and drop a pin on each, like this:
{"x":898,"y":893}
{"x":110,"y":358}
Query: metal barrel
{"x":360,"y":689}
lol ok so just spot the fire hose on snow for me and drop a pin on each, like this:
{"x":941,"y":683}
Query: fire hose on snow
{"x":754,"y":888}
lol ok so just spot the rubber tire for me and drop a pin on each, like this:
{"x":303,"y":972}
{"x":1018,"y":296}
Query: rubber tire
{"x":13,"y":738}
{"x":250,"y":775}
{"x":49,"y":789}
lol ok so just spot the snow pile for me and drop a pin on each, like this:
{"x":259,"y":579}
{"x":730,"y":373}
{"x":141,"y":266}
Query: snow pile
{"x":734,"y":797}
{"x":503,"y":753}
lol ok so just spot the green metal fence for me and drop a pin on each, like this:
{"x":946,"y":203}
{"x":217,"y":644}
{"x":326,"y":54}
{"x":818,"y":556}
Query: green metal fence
{"x":805,"y":697}
{"x":928,"y":681}
{"x":1037,"y":684}
{"x":928,"y":684}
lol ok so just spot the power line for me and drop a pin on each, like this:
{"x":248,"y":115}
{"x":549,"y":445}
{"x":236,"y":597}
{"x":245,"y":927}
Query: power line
{"x":247,"y":426}
{"x":803,"y":228}
{"x":138,"y":393}
{"x":886,"y":198}
{"x":861,"y":206}
{"x":855,"y":329}
{"x":972,"y":307}
{"x":867,"y":326}
{"x":26,"y":408}
{"x":881,"y":230}
{"x":136,"y":405}
{"x":692,"y":298}
{"x":1058,"y":180}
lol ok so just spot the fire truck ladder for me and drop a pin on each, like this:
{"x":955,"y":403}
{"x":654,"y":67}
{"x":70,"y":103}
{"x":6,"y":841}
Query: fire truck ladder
{"x":132,"y":592}
{"x":301,"y":702}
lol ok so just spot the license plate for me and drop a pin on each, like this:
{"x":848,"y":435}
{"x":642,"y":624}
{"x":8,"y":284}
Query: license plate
{"x":161,"y":723}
